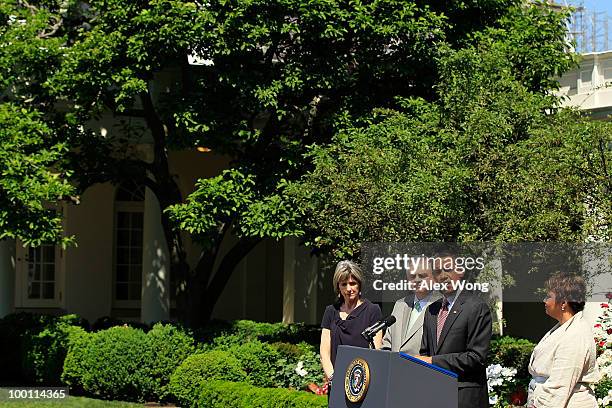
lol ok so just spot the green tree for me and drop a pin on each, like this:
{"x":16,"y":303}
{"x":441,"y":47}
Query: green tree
{"x":30,"y":181}
{"x":290,"y":73}
{"x":493,"y":158}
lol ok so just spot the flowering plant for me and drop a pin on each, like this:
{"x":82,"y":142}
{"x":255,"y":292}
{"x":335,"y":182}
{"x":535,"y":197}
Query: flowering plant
{"x":603,"y":340}
{"x":603,"y":330}
{"x":603,"y":389}
{"x":501,"y":382}
{"x":299,"y":371}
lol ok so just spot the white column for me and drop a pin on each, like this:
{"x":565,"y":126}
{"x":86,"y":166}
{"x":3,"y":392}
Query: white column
{"x":155,"y":304}
{"x":300,"y":284}
{"x":289,"y":280}
{"x":596,"y":80}
{"x":7,"y":277}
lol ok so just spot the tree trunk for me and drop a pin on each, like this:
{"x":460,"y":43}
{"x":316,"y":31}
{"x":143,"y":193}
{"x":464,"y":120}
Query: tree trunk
{"x":205,"y":288}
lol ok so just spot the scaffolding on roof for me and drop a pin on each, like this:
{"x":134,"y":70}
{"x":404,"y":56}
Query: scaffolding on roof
{"x":588,"y":28}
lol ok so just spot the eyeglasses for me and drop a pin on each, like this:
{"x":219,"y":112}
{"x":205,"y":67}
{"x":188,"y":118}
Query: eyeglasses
{"x":439,"y":271}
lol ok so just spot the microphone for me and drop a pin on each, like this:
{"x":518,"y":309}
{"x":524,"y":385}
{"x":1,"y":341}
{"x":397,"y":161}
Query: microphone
{"x":371,"y":331}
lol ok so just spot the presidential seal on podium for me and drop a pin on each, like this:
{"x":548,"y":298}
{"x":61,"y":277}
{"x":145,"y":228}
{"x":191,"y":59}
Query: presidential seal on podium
{"x":357,"y":380}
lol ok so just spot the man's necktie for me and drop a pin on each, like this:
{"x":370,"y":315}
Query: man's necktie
{"x":417,"y":306}
{"x":442,"y":315}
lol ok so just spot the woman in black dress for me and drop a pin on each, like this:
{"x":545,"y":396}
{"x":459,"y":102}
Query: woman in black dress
{"x":344,"y":321}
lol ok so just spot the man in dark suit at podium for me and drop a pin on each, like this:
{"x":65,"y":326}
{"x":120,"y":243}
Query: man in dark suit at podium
{"x":456,"y":335}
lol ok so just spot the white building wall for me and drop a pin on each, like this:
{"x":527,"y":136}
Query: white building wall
{"x":7,"y":276}
{"x":589,"y":87}
{"x":155,"y":265}
{"x":88,"y":267}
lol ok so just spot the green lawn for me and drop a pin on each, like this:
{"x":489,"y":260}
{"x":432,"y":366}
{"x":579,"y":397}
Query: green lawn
{"x":71,"y":402}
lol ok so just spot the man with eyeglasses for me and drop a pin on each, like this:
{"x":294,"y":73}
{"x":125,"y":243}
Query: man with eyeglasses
{"x":456,"y":333}
{"x":406,"y":334}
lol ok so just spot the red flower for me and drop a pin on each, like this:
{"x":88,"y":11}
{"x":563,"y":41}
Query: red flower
{"x":602,"y":343}
{"x":609,"y":295}
{"x":597,"y":325}
{"x":609,"y":331}
{"x":518,"y":397}
{"x":605,"y":305}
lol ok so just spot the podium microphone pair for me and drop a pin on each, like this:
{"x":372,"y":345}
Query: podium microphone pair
{"x":371,"y":331}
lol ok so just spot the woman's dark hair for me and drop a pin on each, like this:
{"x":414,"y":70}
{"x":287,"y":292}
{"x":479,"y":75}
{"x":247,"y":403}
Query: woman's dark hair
{"x":568,"y":288}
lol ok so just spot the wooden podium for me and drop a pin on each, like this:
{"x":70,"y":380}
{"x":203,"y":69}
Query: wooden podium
{"x":365,"y":378}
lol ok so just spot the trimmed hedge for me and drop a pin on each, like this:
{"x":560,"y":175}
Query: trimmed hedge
{"x":127,"y":364}
{"x":38,"y":345}
{"x":167,"y":346}
{"x":197,"y":370}
{"x":259,"y":361}
{"x":134,"y":364}
{"x":46,"y":352}
{"x":109,"y":365}
{"x":240,"y":331}
{"x":223,"y":394}
{"x":512,"y":352}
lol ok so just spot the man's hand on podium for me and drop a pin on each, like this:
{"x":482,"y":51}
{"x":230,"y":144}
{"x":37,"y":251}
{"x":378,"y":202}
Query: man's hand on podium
{"x":426,"y":359}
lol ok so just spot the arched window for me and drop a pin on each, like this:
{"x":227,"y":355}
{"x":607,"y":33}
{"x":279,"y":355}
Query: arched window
{"x":127,"y":265}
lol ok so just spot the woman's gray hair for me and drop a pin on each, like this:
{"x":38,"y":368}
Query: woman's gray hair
{"x":344,"y":270}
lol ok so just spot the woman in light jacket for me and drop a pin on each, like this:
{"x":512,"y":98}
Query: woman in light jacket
{"x":563,"y":364}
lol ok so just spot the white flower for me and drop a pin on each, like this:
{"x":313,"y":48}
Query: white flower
{"x":494,"y":370}
{"x":299,"y":370}
{"x":508,"y":372}
{"x":493,"y":399}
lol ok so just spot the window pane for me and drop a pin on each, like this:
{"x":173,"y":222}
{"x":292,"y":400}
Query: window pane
{"x":37,"y":272}
{"x":122,"y":273}
{"x":137,"y":238}
{"x":123,"y":256}
{"x":123,"y":219}
{"x":48,"y":272}
{"x":128,"y":250}
{"x":135,"y":256}
{"x":49,"y":291}
{"x":136,"y":273}
{"x":123,"y":237}
{"x":34,"y":290}
{"x":135,"y":291}
{"x":32,"y":254}
{"x":48,"y":253}
{"x":122,"y":291}
{"x":137,"y":220}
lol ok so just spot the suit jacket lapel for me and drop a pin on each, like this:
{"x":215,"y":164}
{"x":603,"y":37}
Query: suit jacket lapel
{"x":407,"y":311}
{"x":432,"y":311}
{"x":415,"y":327}
{"x":450,"y":319}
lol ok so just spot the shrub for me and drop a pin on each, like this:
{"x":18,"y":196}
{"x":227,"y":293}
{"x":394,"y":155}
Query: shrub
{"x":45,"y":352}
{"x":221,"y":394}
{"x":13,"y":329}
{"x":106,"y":322}
{"x":511,"y":352}
{"x":240,"y":331}
{"x":37,"y":345}
{"x":288,"y":350}
{"x":109,"y":365}
{"x":197,"y":370}
{"x":259,"y":360}
{"x":167,"y":347}
{"x":298,"y":366}
{"x":125,"y":363}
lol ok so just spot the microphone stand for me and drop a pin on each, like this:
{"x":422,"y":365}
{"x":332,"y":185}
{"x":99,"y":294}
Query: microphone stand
{"x":370,"y":339}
